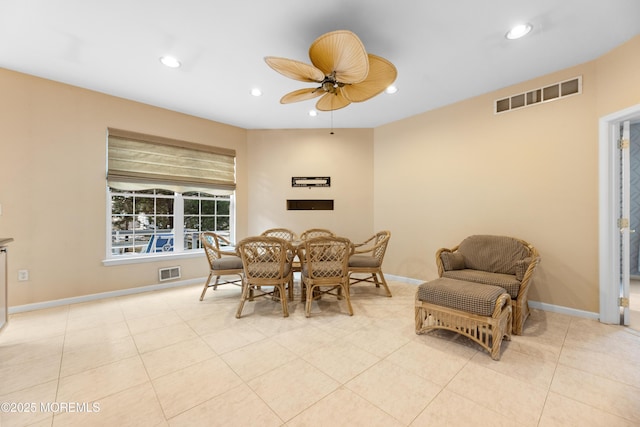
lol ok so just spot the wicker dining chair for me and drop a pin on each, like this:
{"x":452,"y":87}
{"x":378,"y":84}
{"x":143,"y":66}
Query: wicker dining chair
{"x":316,"y":232}
{"x":283,"y":233}
{"x":289,"y":236}
{"x":367,"y":259}
{"x":267,"y":265}
{"x":325,"y":269}
{"x":221,"y":263}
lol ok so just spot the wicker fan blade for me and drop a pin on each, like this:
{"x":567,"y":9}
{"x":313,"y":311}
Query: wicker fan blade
{"x":381,"y":74}
{"x":295,"y":69}
{"x":340,"y":52}
{"x":301,"y":95}
{"x":332,"y":101}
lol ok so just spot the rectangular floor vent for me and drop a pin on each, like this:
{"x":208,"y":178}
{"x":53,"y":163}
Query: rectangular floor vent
{"x":169,"y":273}
{"x":548,"y":93}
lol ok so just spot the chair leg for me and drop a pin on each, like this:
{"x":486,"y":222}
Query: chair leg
{"x":243,"y":298}
{"x":347,"y":297}
{"x":206,"y":286}
{"x":374,"y":279}
{"x":384,"y":283}
{"x":283,"y":300}
{"x":307,"y":307}
{"x":215,"y":283}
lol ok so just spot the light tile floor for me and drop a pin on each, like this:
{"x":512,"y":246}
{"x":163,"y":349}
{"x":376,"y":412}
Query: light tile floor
{"x":165,"y":358}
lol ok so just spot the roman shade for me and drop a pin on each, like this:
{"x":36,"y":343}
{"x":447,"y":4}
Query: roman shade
{"x":140,"y":162}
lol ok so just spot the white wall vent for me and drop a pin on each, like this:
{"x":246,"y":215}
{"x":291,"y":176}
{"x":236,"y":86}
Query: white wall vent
{"x":169,"y":273}
{"x":552,"y":92}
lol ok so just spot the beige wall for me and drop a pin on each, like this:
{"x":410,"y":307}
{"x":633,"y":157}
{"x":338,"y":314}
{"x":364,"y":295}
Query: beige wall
{"x":431,"y":179}
{"x":530,"y":173}
{"x":346,"y":156}
{"x":52,"y":185}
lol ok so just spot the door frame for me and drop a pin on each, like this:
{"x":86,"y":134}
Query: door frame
{"x":609,"y":205}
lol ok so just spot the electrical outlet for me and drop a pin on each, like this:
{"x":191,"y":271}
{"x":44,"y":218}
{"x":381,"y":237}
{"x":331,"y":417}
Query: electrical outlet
{"x":23,"y":275}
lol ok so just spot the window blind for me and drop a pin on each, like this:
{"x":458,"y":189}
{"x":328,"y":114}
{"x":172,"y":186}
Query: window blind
{"x":140,"y":162}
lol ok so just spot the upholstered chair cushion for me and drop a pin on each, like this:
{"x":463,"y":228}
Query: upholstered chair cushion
{"x":460,"y":295}
{"x":496,"y":254}
{"x":363,"y":261}
{"x":228,"y":263}
{"x":506,"y":281}
{"x":452,"y":260}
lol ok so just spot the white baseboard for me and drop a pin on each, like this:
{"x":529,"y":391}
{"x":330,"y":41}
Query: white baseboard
{"x":402,"y":279}
{"x":85,"y":298}
{"x":564,"y":310}
{"x":102,"y":295}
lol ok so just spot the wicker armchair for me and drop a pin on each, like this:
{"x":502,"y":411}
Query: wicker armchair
{"x":267,"y":263}
{"x":494,"y":260}
{"x":367,"y":259}
{"x":325,"y":269}
{"x":221,"y":263}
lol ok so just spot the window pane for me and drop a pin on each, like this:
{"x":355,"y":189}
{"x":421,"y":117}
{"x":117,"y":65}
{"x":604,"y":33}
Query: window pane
{"x":144,"y":205}
{"x":208,"y":207}
{"x":223,"y":207}
{"x":121,"y":222}
{"x":222,"y":223}
{"x":191,"y":240}
{"x":191,"y":223}
{"x":208,"y":223}
{"x":191,"y":207}
{"x":163,"y":223}
{"x":121,"y":205}
{"x":164,"y":206}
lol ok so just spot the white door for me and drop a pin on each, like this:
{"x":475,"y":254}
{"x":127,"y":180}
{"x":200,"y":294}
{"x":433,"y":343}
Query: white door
{"x":625,"y":218}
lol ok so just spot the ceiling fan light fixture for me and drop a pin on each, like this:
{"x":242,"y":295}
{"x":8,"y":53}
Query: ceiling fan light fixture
{"x":256,"y":92}
{"x":519,"y":31}
{"x":391,"y":89}
{"x":342,"y":71}
{"x":313,"y":113}
{"x":170,"y":61}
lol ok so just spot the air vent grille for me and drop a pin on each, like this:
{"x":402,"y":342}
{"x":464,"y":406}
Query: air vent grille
{"x":548,"y":93}
{"x":170,"y":273}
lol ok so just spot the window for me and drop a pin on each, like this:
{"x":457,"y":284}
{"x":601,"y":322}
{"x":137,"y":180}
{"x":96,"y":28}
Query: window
{"x":164,"y":193}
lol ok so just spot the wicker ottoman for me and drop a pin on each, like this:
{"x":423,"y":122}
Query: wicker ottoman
{"x":480,"y":312}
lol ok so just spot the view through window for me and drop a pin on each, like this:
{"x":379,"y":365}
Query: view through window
{"x":160,"y":221}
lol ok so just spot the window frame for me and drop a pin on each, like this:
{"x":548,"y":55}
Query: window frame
{"x":202,"y":159}
{"x":134,"y":258}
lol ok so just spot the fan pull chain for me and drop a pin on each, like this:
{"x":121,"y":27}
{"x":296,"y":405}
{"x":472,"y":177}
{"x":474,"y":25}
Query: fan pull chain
{"x":331,"y":133}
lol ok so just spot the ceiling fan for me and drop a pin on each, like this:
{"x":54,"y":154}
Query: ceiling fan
{"x":343,"y":68}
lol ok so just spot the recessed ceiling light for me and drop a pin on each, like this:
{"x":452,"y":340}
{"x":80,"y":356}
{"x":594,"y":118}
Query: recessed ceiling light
{"x":519,"y":31}
{"x":170,"y":61}
{"x":313,"y":113}
{"x":391,"y":89}
{"x":256,"y":92}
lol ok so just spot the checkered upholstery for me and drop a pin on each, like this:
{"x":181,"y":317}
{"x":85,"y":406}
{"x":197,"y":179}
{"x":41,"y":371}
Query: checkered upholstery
{"x":507,"y":281}
{"x":464,"y":296}
{"x":495,"y":254}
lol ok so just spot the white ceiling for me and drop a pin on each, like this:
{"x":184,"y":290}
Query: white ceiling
{"x":444,"y":50}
